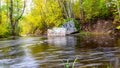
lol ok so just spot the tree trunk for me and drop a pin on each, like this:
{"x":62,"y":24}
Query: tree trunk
{"x":7,"y":12}
{"x":11,"y":18}
{"x":0,"y":12}
{"x":63,"y":5}
{"x":118,"y":7}
{"x":81,"y":9}
{"x":69,"y":7}
{"x":14,"y":23}
{"x":13,"y":31}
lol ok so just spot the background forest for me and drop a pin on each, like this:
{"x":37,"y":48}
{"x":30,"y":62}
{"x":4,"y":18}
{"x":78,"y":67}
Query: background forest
{"x":24,"y":17}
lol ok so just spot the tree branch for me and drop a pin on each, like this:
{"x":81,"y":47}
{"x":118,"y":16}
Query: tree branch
{"x":16,"y":21}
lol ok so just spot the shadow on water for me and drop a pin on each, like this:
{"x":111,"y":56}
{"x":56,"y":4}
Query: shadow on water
{"x":42,"y":52}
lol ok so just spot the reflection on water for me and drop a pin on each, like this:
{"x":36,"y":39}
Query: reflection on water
{"x":69,"y":40}
{"x":13,"y":54}
{"x":53,"y":52}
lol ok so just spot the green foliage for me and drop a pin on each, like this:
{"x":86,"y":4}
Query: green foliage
{"x":4,"y":32}
{"x":74,"y":62}
{"x":46,"y":14}
{"x":118,"y":27}
{"x":85,"y":33}
{"x":67,"y":65}
{"x":68,"y":19}
{"x":108,"y":66}
{"x":4,"y":25}
{"x":76,"y":10}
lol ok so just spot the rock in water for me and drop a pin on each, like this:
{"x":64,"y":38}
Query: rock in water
{"x":66,"y":28}
{"x":56,"y":32}
{"x":70,"y":27}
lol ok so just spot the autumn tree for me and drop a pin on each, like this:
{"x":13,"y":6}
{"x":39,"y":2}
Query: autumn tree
{"x":45,"y":14}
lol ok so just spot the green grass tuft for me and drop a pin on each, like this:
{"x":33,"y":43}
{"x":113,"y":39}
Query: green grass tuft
{"x":67,"y":65}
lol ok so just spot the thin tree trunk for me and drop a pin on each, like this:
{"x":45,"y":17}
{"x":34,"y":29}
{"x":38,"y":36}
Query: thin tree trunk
{"x":59,"y":3}
{"x":17,"y":7}
{"x":71,"y":9}
{"x":15,"y":23}
{"x":62,"y":4}
{"x":65,"y":10}
{"x":68,"y":8}
{"x":11,"y":17}
{"x":81,"y":9}
{"x":118,"y":7}
{"x":7,"y":12}
{"x":0,"y":12}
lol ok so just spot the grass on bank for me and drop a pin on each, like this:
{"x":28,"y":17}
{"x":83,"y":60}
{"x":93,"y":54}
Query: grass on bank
{"x":67,"y":65}
{"x":91,"y":33}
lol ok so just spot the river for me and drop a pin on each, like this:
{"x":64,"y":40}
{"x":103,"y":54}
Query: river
{"x":97,"y":51}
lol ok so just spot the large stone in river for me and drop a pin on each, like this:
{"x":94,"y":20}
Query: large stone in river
{"x":66,"y":28}
{"x":56,"y":32}
{"x":70,"y":27}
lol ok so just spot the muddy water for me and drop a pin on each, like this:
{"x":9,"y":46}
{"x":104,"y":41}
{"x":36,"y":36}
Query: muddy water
{"x":53,"y":52}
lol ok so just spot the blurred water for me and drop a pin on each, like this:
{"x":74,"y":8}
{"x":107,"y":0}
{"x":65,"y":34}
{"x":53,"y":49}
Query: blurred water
{"x":53,"y":52}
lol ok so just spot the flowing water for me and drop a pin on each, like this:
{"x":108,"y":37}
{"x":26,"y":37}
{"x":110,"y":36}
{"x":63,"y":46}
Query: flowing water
{"x":53,"y":52}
